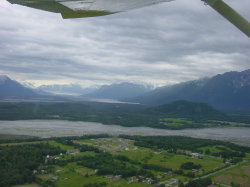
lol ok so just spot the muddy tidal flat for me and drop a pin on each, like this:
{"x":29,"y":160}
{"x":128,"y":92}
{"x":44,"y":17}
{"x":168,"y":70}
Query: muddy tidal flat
{"x":52,"y":128}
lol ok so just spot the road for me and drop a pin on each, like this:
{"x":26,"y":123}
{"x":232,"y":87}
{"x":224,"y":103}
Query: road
{"x":221,"y":170}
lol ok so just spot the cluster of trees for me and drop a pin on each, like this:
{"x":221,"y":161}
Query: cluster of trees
{"x":226,"y":153}
{"x":240,"y":118}
{"x":17,"y":162}
{"x":155,"y":167}
{"x":32,"y":139}
{"x":17,"y":139}
{"x":236,"y":185}
{"x":44,"y":183}
{"x":84,"y":137}
{"x":190,"y":165}
{"x":106,"y":163}
{"x":181,"y":172}
{"x":81,"y":148}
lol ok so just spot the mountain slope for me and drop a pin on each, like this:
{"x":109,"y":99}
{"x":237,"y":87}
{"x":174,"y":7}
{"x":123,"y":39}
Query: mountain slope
{"x":119,"y":91}
{"x":12,"y":89}
{"x":187,"y":109}
{"x":228,"y":92}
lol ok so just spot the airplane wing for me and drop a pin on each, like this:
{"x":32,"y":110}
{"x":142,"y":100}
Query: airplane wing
{"x":92,"y":8}
{"x":86,"y":8}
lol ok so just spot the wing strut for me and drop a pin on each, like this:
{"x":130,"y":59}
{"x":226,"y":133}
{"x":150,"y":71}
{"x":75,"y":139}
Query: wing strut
{"x":230,"y":14}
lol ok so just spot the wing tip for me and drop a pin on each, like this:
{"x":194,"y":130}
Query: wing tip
{"x":82,"y":14}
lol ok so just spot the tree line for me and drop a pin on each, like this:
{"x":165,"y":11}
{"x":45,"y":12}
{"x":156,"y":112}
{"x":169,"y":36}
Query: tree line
{"x":18,"y":162}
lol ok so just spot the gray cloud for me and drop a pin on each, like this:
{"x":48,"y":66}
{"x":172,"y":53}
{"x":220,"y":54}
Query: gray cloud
{"x":162,"y":44}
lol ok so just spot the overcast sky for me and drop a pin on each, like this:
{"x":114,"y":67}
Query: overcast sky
{"x":162,"y":44}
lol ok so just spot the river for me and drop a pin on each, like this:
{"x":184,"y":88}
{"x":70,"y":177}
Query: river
{"x":50,"y":128}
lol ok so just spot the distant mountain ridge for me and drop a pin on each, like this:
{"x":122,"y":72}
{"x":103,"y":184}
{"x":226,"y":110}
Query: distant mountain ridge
{"x":72,"y":89}
{"x":11,"y":89}
{"x":120,"y":91}
{"x":227,"y":92}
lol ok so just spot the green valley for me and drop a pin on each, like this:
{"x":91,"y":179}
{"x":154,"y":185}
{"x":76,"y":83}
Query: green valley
{"x":102,"y":160}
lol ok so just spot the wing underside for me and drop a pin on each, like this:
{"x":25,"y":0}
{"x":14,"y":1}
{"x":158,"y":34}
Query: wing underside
{"x":92,"y":8}
{"x":86,"y":8}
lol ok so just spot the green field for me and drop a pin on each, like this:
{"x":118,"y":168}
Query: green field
{"x":73,"y":172}
{"x":177,"y":123}
{"x":76,"y":176}
{"x":214,"y":149}
{"x":238,"y":175}
{"x":174,"y":161}
{"x":62,"y":146}
{"x":159,"y":165}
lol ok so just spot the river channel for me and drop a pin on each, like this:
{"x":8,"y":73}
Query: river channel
{"x":52,"y":128}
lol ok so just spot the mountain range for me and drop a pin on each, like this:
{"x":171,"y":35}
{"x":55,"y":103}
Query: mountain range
{"x":11,"y":89}
{"x":120,"y":91}
{"x":227,"y":92}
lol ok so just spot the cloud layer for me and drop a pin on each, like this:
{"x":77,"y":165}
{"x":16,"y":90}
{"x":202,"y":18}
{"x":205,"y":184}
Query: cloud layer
{"x":162,"y":44}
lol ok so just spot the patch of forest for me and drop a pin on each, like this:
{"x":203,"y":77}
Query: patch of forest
{"x":18,"y":162}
